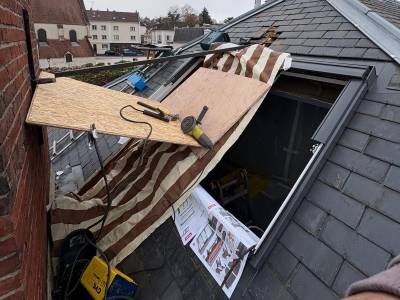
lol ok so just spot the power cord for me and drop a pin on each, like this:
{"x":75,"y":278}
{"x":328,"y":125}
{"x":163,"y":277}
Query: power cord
{"x":137,"y":122}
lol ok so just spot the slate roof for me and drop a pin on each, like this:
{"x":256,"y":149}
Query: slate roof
{"x":187,"y":34}
{"x":388,"y":9}
{"x":347,"y":225}
{"x":112,"y":16}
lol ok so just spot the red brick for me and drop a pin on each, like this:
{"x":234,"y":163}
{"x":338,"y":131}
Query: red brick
{"x":9,"y":284}
{"x":8,"y":246}
{"x":9,"y":265}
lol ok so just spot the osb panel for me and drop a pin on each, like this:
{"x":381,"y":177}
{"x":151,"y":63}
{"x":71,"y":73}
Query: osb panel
{"x":228,"y":97}
{"x":73,"y":104}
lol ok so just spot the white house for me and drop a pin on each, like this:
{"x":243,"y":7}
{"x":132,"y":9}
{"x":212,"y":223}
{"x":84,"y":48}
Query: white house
{"x":162,"y":34}
{"x":113,"y":30}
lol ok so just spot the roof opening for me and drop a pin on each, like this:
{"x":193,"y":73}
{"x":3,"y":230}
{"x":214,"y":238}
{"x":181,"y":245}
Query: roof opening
{"x":258,"y":172}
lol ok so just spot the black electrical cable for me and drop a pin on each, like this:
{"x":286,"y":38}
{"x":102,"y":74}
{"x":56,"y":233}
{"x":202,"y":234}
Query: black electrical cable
{"x":137,"y":122}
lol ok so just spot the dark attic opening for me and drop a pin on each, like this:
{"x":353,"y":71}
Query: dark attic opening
{"x":256,"y":175}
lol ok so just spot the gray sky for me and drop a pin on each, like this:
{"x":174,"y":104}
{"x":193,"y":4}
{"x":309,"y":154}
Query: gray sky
{"x":218,"y":9}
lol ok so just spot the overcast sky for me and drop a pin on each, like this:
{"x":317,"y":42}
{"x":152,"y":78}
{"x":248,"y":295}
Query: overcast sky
{"x":218,"y":9}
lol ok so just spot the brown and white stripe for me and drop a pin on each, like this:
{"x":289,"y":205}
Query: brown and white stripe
{"x":142,"y":194}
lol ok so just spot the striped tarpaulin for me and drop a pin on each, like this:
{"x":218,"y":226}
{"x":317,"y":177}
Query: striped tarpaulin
{"x":143,"y":193}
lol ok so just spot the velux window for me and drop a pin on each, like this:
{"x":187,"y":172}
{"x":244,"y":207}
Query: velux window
{"x":258,"y":178}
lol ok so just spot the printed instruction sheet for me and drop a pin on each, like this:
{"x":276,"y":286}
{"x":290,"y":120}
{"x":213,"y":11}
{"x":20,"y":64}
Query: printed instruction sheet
{"x":218,"y":238}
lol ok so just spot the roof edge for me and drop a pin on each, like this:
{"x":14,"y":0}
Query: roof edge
{"x":379,"y":30}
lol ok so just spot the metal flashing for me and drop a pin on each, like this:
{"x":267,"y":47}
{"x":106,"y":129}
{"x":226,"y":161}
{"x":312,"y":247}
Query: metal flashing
{"x":380,"y":31}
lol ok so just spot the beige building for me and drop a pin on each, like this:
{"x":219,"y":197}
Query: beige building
{"x":162,"y":34}
{"x":113,"y":30}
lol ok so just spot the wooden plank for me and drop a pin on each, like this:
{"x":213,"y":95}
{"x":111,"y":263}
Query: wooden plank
{"x":73,"y":104}
{"x":46,"y":75}
{"x":228,"y":97}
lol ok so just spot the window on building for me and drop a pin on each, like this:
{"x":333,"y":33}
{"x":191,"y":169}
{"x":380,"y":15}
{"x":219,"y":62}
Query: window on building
{"x":94,"y":27}
{"x":116,"y":27}
{"x":103,"y":37}
{"x":95,"y":37}
{"x":72,"y":36}
{"x":116,"y":37}
{"x":159,"y":39}
{"x":104,"y":46}
{"x":133,"y":38}
{"x":133,"y":28}
{"x":168,"y":38}
{"x":103,"y":27}
{"x":42,"y":36}
{"x":68,"y":57}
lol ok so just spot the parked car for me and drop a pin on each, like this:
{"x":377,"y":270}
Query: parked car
{"x":112,"y":53}
{"x":132,"y":52}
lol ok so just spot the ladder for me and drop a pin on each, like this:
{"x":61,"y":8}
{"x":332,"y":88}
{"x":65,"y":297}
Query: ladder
{"x":59,"y":146}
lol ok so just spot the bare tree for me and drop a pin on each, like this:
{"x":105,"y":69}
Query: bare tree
{"x":189,"y":15}
{"x":174,"y":13}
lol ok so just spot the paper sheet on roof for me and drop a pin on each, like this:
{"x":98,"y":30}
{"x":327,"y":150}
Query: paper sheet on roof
{"x":143,"y":194}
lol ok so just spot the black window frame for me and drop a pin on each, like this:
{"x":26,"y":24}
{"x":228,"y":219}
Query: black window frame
{"x":41,"y":30}
{"x":358,"y":78}
{"x":66,"y":55}
{"x":73,"y":36}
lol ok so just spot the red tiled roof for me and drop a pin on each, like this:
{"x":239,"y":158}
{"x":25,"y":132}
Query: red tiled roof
{"x":71,"y":12}
{"x":57,"y":49}
{"x":110,"y":16}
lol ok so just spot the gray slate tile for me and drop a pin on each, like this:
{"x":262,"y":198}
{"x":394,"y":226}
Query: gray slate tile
{"x":346,"y":276}
{"x":377,"y":54}
{"x":282,"y":262}
{"x":299,"y":49}
{"x":312,"y":34}
{"x":338,"y":42}
{"x":335,"y":34}
{"x":360,"y":163}
{"x":335,"y":203}
{"x":305,"y":285}
{"x":376,"y":127}
{"x":267,"y":286}
{"x":370,"y":108}
{"x":310,"y":217}
{"x":354,"y":140}
{"x":363,"y":189}
{"x":326,"y":51}
{"x":393,"y":178}
{"x":381,"y":230}
{"x":314,"y":254}
{"x":334,"y":175}
{"x":351,"y":52}
{"x":390,"y":113}
{"x":289,"y":34}
{"x":389,"y":204}
{"x":366,"y":43}
{"x":173,"y":292}
{"x":384,"y":150}
{"x":315,"y":42}
{"x":328,"y":26}
{"x":360,"y":252}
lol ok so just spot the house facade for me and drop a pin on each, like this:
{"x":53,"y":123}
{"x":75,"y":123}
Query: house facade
{"x":113,"y":30}
{"x":62,"y":31}
{"x":162,"y":34}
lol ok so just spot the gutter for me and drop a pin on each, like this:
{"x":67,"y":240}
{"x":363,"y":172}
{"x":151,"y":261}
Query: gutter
{"x":379,"y":30}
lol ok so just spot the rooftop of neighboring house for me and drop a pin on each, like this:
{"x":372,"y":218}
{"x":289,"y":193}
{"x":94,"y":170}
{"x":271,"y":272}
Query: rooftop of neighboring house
{"x":68,"y":12}
{"x":346,"y":225}
{"x":187,"y":34}
{"x":112,"y":16}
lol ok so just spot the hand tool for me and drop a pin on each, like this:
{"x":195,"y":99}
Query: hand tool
{"x":190,"y":125}
{"x":158,"y":113}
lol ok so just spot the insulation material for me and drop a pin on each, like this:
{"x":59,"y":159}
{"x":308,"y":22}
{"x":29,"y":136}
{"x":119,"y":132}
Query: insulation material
{"x":142,"y":194}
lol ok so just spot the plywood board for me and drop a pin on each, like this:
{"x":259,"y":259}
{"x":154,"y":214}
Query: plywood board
{"x":45,"y":75}
{"x":228,"y":97}
{"x":73,"y":104}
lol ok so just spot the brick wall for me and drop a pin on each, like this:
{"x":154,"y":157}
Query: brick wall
{"x":23,"y":164}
